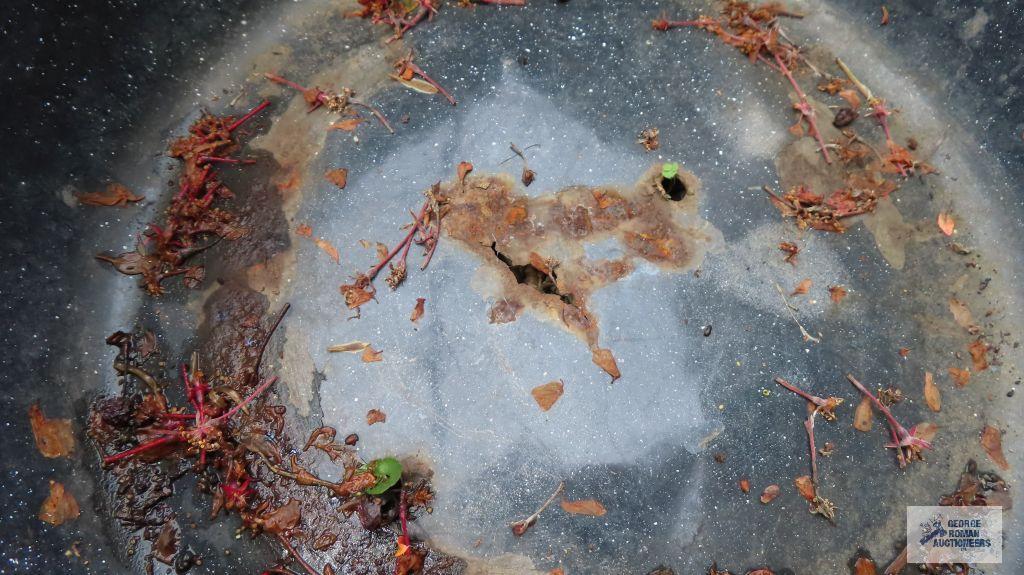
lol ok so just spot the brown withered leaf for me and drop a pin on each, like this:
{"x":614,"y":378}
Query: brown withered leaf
{"x":791,"y":251}
{"x":375,"y":416}
{"x":837,"y":293}
{"x":464,"y":169}
{"x":961,"y":314}
{"x":417,"y":312}
{"x":805,"y":487}
{"x":590,"y":507}
{"x":358,"y":292}
{"x":556,"y":571}
{"x":851,"y":98}
{"x":744,"y":485}
{"x":370,"y":355}
{"x":282,"y":519}
{"x":992,"y":442}
{"x":349,"y":347}
{"x":410,"y":562}
{"x":979,"y":355}
{"x":114,"y":195}
{"x":864,"y":566}
{"x":648,"y":138}
{"x":863,"y":416}
{"x":347,"y":125}
{"x":903,"y":351}
{"x":328,"y":249}
{"x":304,"y":230}
{"x":148,"y":345}
{"x":59,"y":507}
{"x":961,"y":377}
{"x":802,"y":288}
{"x":546,"y":395}
{"x":932,"y":396}
{"x":338,"y":177}
{"x":54,"y":437}
{"x":528,"y":176}
{"x":382,"y":251}
{"x":770,"y":493}
{"x":946,"y":223}
{"x":885,"y":16}
{"x":604,"y":359}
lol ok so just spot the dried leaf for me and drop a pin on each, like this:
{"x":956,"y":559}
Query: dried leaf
{"x":791,"y":250}
{"x":59,"y":507}
{"x":805,"y":487}
{"x":304,"y":230}
{"x":114,"y":195}
{"x":417,"y":85}
{"x":885,"y":15}
{"x":338,"y":177}
{"x":961,"y":314}
{"x":837,"y":293}
{"x":371,"y":356}
{"x":328,"y":249}
{"x":992,"y":441}
{"x":54,"y":437}
{"x":770,"y":493}
{"x":946,"y":223}
{"x":358,"y":293}
{"x":932,"y":396}
{"x":347,"y":125}
{"x":546,"y":395}
{"x":961,"y":377}
{"x":604,"y":359}
{"x":903,"y":351}
{"x":556,"y":571}
{"x":464,"y":169}
{"x":375,"y":416}
{"x":744,"y":485}
{"x":148,"y":345}
{"x":863,"y":416}
{"x":417,"y":312}
{"x":590,"y":507}
{"x":864,"y":566}
{"x":851,"y":98}
{"x":528,"y":176}
{"x":802,"y":287}
{"x":350,"y":347}
{"x":979,"y":354}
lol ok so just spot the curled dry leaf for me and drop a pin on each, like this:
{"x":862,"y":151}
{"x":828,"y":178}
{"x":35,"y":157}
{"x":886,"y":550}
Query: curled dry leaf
{"x":417,"y":85}
{"x":338,"y":177}
{"x":328,"y":249}
{"x":417,"y":312}
{"x":946,"y":223}
{"x":528,"y":176}
{"x":791,"y":251}
{"x":347,"y":125}
{"x":802,"y":288}
{"x":979,"y":355}
{"x":590,"y":507}
{"x":370,"y":355}
{"x":932,"y":396}
{"x":863,"y":416}
{"x":837,"y":293}
{"x":114,"y":195}
{"x":992,"y":441}
{"x":604,"y":359}
{"x":54,"y":437}
{"x":961,"y":314}
{"x":375,"y":416}
{"x":770,"y":493}
{"x":744,"y":485}
{"x":805,"y":487}
{"x":350,"y":347}
{"x":961,"y":377}
{"x":304,"y":230}
{"x":864,"y":566}
{"x":464,"y":169}
{"x":59,"y":507}
{"x":546,"y":395}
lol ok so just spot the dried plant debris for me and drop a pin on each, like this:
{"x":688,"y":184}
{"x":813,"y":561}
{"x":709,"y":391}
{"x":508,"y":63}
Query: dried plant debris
{"x":590,"y":507}
{"x":992,"y":442}
{"x":59,"y":507}
{"x":648,"y":138}
{"x":770,"y":493}
{"x":546,"y":395}
{"x":113,"y":195}
{"x":54,"y":437}
{"x":519,"y":528}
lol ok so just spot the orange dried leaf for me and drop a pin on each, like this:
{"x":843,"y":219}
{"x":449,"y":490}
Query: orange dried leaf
{"x":347,"y":125}
{"x":59,"y":507}
{"x":556,"y":571}
{"x":903,"y":351}
{"x":851,"y":98}
{"x":54,"y":437}
{"x":802,"y":287}
{"x":770,"y":493}
{"x":885,"y":15}
{"x":744,"y":485}
{"x":946,"y":223}
{"x":805,"y":487}
{"x":546,"y":395}
{"x":338,"y":177}
{"x":863,"y":416}
{"x":350,"y":347}
{"x":932,"y":396}
{"x":604,"y":359}
{"x":979,"y":355}
{"x":464,"y":169}
{"x":114,"y":195}
{"x":375,"y":416}
{"x":370,"y":355}
{"x":541,"y":263}
{"x":304,"y":230}
{"x":356,"y":294}
{"x":961,"y":377}
{"x":328,"y":249}
{"x":865,"y":566}
{"x":992,"y":441}
{"x":837,"y":293}
{"x":590,"y":507}
{"x":417,"y":312}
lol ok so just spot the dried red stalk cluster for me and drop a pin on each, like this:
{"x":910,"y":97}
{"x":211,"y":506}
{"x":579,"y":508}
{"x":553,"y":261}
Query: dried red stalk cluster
{"x":335,"y":102}
{"x":403,"y":15}
{"x":906,"y":443}
{"x":164,"y":249}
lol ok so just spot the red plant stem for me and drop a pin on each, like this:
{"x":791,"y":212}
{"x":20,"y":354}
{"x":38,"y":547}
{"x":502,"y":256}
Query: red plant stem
{"x":139,"y":449}
{"x":433,"y":246}
{"x":809,"y":426}
{"x":805,"y":108}
{"x":248,"y":116}
{"x":403,"y":514}
{"x":419,"y":227}
{"x":291,"y":550}
{"x":227,"y":415}
{"x":415,"y":68}
{"x":376,"y":114}
{"x":813,"y":399}
{"x":408,"y":237}
{"x":895,"y":429}
{"x":669,"y":24}
{"x":266,"y":340}
{"x":881,"y":114}
{"x":217,"y":159}
{"x":284,"y":82}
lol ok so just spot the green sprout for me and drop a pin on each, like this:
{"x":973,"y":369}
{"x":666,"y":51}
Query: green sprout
{"x":387,"y":471}
{"x":669,"y":170}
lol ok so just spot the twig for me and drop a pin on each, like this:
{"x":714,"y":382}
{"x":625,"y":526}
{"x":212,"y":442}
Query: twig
{"x":789,"y":308}
{"x":809,"y":426}
{"x":520,"y":527}
{"x":266,"y":340}
{"x":804,"y":107}
{"x":309,"y":568}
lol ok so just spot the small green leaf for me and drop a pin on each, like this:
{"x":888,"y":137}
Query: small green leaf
{"x":387,"y":471}
{"x":669,"y":170}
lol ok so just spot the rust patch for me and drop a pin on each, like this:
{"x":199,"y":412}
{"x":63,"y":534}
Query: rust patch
{"x":534,"y":248}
